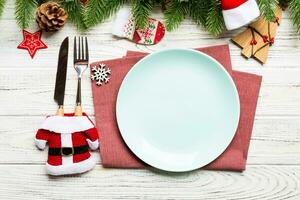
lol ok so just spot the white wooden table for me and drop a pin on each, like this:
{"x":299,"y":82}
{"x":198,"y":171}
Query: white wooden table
{"x":26,"y":92}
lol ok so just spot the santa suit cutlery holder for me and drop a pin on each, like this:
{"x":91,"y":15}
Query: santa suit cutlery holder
{"x":69,"y":139}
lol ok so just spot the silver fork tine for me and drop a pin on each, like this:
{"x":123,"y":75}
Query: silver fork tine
{"x":86,"y":49}
{"x":75,"y":50}
{"x":82,"y":49}
{"x":79,"y":49}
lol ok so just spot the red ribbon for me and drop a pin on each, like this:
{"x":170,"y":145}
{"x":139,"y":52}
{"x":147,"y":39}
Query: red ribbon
{"x":265,"y":38}
{"x":253,"y":42}
{"x":272,"y":41}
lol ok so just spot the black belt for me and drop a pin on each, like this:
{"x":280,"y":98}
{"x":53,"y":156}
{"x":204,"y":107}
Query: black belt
{"x":67,"y":151}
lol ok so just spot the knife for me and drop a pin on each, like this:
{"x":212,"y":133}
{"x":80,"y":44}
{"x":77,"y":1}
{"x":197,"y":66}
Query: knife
{"x":61,"y":76}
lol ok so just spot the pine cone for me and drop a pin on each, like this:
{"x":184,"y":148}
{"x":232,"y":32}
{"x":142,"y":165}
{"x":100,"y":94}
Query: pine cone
{"x":50,"y":16}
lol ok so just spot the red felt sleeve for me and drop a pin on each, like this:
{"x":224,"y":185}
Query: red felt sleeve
{"x":42,"y":134}
{"x":92,"y":134}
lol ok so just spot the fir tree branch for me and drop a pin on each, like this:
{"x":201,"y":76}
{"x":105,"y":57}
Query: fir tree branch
{"x":25,"y":12}
{"x":41,"y":1}
{"x":141,"y":10}
{"x":198,"y":11}
{"x":2,"y":3}
{"x":175,"y":14}
{"x":267,"y":8}
{"x":294,"y":7}
{"x":75,"y":10}
{"x":99,"y":10}
{"x":215,"y":23}
{"x":94,"y":12}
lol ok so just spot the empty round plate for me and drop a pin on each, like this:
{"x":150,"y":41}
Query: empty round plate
{"x":177,"y":109}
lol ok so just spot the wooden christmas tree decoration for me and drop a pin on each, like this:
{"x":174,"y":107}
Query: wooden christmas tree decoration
{"x":256,"y":40}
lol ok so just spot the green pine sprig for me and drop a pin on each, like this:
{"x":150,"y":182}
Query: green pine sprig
{"x":267,"y":8}
{"x":198,"y":11}
{"x":41,"y":1}
{"x":214,"y":21}
{"x":175,"y":14}
{"x":99,"y":10}
{"x":141,"y":10}
{"x":2,"y":2}
{"x":75,"y":10}
{"x":294,"y":8}
{"x":25,"y":12}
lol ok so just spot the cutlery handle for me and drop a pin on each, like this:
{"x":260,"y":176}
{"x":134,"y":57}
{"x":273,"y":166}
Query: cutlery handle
{"x":60,"y":111}
{"x":78,"y":96}
{"x":78,"y":108}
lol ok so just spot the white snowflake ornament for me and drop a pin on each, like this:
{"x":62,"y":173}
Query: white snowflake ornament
{"x":101,"y":74}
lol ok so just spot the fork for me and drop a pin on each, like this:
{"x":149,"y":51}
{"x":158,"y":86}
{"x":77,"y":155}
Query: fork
{"x":81,"y":62}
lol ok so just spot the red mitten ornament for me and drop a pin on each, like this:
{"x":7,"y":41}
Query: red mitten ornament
{"x":125,"y":27}
{"x":69,"y":138}
{"x":237,"y":13}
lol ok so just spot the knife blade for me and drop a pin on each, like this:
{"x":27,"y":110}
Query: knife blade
{"x":61,"y":75}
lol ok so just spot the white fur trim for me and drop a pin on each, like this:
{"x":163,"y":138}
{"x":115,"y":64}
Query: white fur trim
{"x":93,"y":144}
{"x":74,"y":168}
{"x":59,"y":124}
{"x":66,"y":141}
{"x":241,"y":15}
{"x":41,"y":144}
{"x":121,"y":20}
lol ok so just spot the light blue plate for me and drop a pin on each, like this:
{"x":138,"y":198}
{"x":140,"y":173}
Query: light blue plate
{"x":178,"y":109}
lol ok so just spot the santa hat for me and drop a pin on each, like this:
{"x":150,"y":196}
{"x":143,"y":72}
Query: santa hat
{"x":237,"y":13}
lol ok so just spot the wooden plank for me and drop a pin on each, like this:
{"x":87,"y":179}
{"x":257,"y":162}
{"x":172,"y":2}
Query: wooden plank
{"x":275,"y":140}
{"x":256,"y":183}
{"x":26,"y":90}
{"x":30,"y":92}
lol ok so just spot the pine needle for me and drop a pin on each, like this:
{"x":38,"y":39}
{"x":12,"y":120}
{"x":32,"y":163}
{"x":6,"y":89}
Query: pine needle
{"x":295,"y":14}
{"x":215,"y":23}
{"x":94,"y":13}
{"x":2,"y":2}
{"x":41,"y":1}
{"x":75,"y":11}
{"x":175,"y":14}
{"x":141,"y":10}
{"x":99,"y":10}
{"x":25,"y":12}
{"x":267,"y":8}
{"x":198,"y":11}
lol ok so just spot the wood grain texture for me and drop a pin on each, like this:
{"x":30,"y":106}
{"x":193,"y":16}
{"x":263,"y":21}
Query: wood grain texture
{"x":258,"y":182}
{"x":26,"y":97}
{"x":275,"y":141}
{"x":30,"y":92}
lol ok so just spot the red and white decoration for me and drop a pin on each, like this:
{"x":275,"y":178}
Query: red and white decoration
{"x":32,"y":42}
{"x":237,"y":13}
{"x":68,"y":138}
{"x":125,"y":27}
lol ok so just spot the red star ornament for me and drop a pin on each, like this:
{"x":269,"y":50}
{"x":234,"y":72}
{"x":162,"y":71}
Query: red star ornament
{"x":32,"y":42}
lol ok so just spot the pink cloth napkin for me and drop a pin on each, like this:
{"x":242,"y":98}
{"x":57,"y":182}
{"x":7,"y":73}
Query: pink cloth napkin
{"x":114,"y":152}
